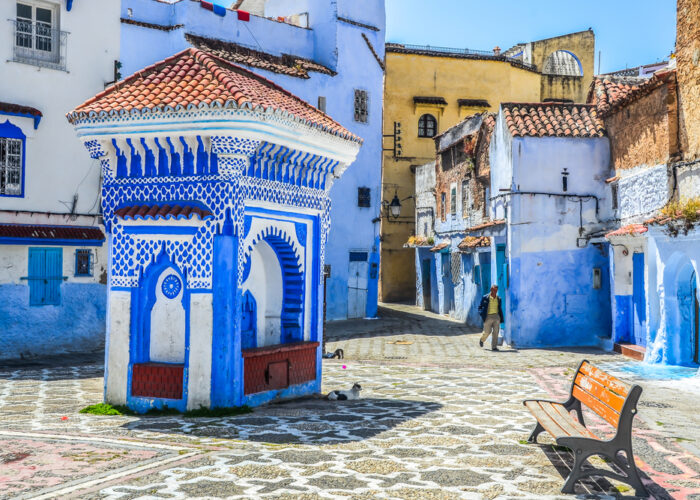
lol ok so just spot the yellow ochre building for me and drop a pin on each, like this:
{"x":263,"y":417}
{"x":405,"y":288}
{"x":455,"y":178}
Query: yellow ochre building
{"x":430,"y":89}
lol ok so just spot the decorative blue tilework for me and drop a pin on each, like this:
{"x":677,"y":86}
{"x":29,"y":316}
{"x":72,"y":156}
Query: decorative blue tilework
{"x":171,"y":286}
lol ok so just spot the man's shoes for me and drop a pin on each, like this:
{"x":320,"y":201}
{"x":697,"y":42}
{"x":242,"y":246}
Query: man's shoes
{"x":481,"y":343}
{"x":495,"y":349}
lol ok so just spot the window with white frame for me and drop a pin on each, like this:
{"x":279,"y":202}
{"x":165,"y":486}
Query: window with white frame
{"x":10,"y":166}
{"x":38,"y":39}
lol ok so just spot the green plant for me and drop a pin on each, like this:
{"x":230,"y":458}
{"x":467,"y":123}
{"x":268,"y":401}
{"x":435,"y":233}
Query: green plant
{"x":431,"y":240}
{"x":106,"y":409}
{"x":682,"y":215}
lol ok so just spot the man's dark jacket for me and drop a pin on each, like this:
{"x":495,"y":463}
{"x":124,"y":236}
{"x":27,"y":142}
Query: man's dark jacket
{"x":484,"y":307}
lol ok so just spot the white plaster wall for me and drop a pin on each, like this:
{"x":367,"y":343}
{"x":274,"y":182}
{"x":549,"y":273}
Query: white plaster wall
{"x":14,"y":264}
{"x":201,"y":331}
{"x":57,"y":165}
{"x":689,"y":181}
{"x":641,"y":192}
{"x":265,"y":283}
{"x":168,"y":327}
{"x":118,"y":334}
{"x":501,"y":158}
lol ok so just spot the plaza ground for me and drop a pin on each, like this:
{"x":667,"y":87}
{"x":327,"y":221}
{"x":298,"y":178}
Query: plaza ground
{"x":439,"y":418}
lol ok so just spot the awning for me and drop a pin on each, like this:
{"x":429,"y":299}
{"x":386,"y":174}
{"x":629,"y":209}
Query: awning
{"x":167,"y":211}
{"x":31,"y":234}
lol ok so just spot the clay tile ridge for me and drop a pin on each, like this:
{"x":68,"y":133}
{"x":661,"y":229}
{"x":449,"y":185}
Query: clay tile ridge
{"x":232,"y":84}
{"x":552,"y":119}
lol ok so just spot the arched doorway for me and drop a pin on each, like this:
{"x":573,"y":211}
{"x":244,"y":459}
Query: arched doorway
{"x":273,"y":286}
{"x":689,"y":322}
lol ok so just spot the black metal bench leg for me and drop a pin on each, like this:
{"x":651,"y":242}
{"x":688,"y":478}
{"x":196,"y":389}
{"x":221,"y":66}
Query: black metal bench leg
{"x":579,"y":459}
{"x":630,"y":469}
{"x":538,"y":430}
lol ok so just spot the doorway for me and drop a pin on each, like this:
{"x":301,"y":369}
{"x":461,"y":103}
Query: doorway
{"x":357,"y":284}
{"x":639,"y":310}
{"x":426,"y":265}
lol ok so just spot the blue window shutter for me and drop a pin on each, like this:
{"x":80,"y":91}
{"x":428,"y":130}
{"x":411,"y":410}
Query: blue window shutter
{"x":54,"y":273}
{"x":37,"y":272}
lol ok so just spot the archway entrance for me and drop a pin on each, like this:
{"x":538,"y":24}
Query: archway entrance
{"x":273,"y":290}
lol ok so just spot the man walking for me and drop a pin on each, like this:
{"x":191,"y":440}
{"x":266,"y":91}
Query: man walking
{"x":492,"y":314}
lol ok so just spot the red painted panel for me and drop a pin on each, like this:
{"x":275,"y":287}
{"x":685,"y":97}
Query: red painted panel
{"x":263,"y":366}
{"x":157,"y":380}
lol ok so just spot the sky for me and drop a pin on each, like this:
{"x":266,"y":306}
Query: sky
{"x":628,"y":33}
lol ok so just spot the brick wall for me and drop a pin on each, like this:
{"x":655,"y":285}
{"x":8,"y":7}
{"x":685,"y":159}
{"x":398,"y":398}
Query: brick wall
{"x":688,"y":61}
{"x":644,"y":131}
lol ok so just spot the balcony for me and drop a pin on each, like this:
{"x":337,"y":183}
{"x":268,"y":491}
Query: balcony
{"x":39,"y":44}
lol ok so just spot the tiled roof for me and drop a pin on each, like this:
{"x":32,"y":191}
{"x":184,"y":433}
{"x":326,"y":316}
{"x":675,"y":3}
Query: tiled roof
{"x":429,"y":100}
{"x":398,"y":48}
{"x":483,"y":103}
{"x":32,"y":231}
{"x":486,"y":225}
{"x":552,"y":120}
{"x":7,"y":107}
{"x":607,"y":92}
{"x":646,"y":87}
{"x":175,"y":211}
{"x":629,"y":230}
{"x":285,"y":64}
{"x":417,"y":241}
{"x":471,"y":242}
{"x":196,"y":79}
{"x":439,"y":246}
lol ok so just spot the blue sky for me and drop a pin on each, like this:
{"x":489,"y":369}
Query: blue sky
{"x":628,"y":32}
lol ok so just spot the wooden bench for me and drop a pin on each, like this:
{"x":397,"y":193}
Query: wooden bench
{"x":615,"y":401}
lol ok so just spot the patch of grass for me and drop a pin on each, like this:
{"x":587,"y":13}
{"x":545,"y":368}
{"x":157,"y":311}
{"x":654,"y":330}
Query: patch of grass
{"x":218,"y":412}
{"x":660,"y":423}
{"x":679,"y":439}
{"x":622,"y":488}
{"x":106,"y":409}
{"x":523,"y":441}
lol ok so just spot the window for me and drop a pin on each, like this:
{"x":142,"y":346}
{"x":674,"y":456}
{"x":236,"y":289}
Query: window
{"x":466,"y":201}
{"x":597,"y":278}
{"x":37,"y":37}
{"x":358,"y":256}
{"x":361,"y":106}
{"x":45,"y":276}
{"x":565,"y":180}
{"x":321,"y":103}
{"x":363,"y":197}
{"x":11,"y":156}
{"x":83,"y":262}
{"x":446,"y":159}
{"x":614,"y":196}
{"x":427,"y":126}
{"x":453,"y":201}
{"x":443,"y":215}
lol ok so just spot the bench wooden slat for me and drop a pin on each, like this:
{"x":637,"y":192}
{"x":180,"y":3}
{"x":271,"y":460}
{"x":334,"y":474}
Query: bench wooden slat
{"x":613,"y":384}
{"x":545,"y":420}
{"x":563,"y":419}
{"x":596,"y":405}
{"x":599,"y":391}
{"x":585,"y":432}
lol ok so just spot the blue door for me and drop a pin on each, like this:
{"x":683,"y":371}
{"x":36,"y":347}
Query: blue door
{"x":639,"y":303}
{"x":45,"y":276}
{"x":502,"y":270}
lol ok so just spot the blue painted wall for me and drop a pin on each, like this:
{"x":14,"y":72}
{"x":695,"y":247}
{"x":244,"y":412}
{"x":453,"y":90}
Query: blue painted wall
{"x":77,"y":325}
{"x":334,"y":43}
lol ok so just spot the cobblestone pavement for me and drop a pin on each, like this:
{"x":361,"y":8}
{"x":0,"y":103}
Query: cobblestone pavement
{"x":439,"y":418}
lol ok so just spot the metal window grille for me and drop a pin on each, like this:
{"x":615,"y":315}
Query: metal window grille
{"x":443,"y":200}
{"x":456,"y":267}
{"x":614,"y":195}
{"x":453,"y":201}
{"x":363,"y":197}
{"x":83,"y":262}
{"x":10,"y":166}
{"x":37,"y":39}
{"x":361,"y":106}
{"x":427,"y":126}
{"x":321,"y":103}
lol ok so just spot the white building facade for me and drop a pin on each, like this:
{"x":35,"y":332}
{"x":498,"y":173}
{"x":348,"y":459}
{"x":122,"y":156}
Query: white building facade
{"x":54,"y":54}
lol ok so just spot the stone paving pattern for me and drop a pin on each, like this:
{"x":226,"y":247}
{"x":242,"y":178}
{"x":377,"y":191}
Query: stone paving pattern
{"x":439,"y":418}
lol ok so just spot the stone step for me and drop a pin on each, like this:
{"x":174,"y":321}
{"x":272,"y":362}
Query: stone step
{"x":631,"y":350}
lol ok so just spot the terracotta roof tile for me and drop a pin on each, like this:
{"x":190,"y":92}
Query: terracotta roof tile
{"x":417,"y":241}
{"x":163,"y":87}
{"x":486,"y":225}
{"x":609,"y":94}
{"x":19,"y":109}
{"x":235,"y":53}
{"x":552,"y":119}
{"x":166,"y":211}
{"x":34,"y":231}
{"x":629,"y":230}
{"x":440,"y":246}
{"x":471,"y":242}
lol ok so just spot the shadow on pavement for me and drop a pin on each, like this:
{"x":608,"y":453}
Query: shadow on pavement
{"x":306,"y":421}
{"x":62,"y":367}
{"x":563,"y":460}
